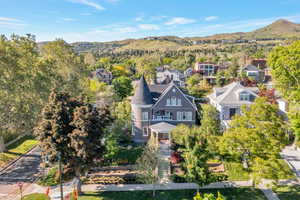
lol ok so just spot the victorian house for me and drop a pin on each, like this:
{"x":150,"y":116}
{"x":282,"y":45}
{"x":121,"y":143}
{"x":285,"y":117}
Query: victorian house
{"x":157,"y":109}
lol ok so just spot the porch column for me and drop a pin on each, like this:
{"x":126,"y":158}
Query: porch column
{"x":157,"y":139}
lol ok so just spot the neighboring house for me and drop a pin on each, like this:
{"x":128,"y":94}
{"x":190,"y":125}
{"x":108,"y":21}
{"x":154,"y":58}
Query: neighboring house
{"x":103,"y":75}
{"x":208,"y":70}
{"x":259,"y":63}
{"x":165,"y":75}
{"x":254,"y":73}
{"x":157,"y":109}
{"x":188,"y":72}
{"x":229,"y":99}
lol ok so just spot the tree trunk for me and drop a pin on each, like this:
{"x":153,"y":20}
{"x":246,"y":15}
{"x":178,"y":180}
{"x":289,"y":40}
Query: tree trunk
{"x":78,"y":182}
{"x":153,"y":192}
{"x":2,"y":146}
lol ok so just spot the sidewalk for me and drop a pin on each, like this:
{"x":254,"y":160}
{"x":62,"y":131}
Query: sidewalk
{"x":167,"y":186}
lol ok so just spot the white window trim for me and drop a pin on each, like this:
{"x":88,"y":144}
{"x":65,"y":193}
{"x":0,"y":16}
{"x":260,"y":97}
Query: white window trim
{"x":143,"y":119}
{"x":147,"y":134}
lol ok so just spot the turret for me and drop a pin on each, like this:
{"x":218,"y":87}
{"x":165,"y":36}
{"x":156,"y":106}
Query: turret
{"x":141,"y":104}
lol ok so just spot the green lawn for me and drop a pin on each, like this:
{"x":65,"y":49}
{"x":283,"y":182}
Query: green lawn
{"x":16,"y":149}
{"x":36,"y":196}
{"x":229,"y":193}
{"x":286,"y":172}
{"x":288,"y":192}
{"x":128,"y":156}
{"x":236,"y":172}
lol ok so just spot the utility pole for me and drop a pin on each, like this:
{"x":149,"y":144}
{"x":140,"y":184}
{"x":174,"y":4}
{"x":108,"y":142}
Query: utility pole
{"x":60,"y":176}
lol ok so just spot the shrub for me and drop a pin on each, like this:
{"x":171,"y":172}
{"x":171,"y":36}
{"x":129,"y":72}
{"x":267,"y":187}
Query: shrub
{"x":50,"y":179}
{"x":178,"y":179}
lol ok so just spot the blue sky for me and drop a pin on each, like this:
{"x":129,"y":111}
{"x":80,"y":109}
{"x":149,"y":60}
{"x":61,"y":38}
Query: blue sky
{"x":107,"y":20}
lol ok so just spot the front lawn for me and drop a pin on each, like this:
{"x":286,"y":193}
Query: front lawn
{"x":229,"y":193}
{"x":236,"y":172}
{"x":128,"y":155}
{"x":287,"y":192}
{"x":36,"y":196}
{"x":17,"y":149}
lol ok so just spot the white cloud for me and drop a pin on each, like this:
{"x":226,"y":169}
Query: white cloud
{"x":89,"y":3}
{"x":69,"y":19}
{"x":149,"y":27}
{"x":11,"y":23}
{"x":7,"y":19}
{"x":139,"y":19}
{"x":157,"y":18}
{"x":127,"y":29}
{"x":179,"y":20}
{"x":211,"y":18}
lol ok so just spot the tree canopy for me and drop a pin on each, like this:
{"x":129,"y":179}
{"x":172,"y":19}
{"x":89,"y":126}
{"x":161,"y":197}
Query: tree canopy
{"x":259,"y":133}
{"x":74,"y":129}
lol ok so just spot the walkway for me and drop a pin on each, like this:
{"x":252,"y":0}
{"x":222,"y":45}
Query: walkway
{"x":264,"y":187}
{"x":168,"y":186}
{"x":292,"y":157}
{"x":164,"y":162}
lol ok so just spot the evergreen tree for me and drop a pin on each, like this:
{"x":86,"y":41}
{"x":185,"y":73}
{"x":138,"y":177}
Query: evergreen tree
{"x":74,"y":129}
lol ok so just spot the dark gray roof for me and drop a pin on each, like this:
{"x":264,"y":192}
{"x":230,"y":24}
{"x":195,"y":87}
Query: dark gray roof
{"x":142,"y":95}
{"x":250,"y":68}
{"x":157,"y":90}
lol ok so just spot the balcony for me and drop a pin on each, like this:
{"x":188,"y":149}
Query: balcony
{"x":161,"y":118}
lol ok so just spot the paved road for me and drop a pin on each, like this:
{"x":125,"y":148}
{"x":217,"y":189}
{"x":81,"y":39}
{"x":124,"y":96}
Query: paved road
{"x":25,"y":170}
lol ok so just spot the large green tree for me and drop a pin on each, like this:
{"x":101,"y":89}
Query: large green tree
{"x":259,"y":133}
{"x":147,"y":165}
{"x":27,"y":77}
{"x":285,"y":64}
{"x":122,"y":87}
{"x":74,"y":129}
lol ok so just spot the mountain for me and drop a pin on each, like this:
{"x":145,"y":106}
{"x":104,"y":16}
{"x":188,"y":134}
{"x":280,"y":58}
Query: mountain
{"x":278,"y":30}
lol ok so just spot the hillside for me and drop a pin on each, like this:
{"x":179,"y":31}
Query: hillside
{"x":278,"y":30}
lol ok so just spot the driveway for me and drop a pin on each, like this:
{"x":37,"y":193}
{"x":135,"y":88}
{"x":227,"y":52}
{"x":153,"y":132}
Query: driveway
{"x":25,"y":170}
{"x":292,"y":156}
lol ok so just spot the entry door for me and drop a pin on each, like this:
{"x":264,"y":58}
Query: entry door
{"x":232,"y":112}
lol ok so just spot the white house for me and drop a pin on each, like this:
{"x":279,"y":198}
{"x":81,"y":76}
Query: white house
{"x":165,"y":75}
{"x":229,"y":99}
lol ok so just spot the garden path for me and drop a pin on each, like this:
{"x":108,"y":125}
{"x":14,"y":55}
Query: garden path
{"x":164,"y":162}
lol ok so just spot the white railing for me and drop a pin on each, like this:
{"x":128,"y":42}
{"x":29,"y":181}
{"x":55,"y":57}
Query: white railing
{"x":161,"y":118}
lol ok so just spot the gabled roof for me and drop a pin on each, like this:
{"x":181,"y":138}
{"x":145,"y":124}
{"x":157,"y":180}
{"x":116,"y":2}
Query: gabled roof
{"x":250,"y":68}
{"x":230,"y":94}
{"x":162,"y":127}
{"x":157,"y":90}
{"x":142,"y":95}
{"x":170,"y":86}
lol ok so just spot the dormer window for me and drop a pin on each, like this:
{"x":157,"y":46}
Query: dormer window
{"x":244,"y":96}
{"x":173,"y":102}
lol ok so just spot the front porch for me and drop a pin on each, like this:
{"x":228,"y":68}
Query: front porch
{"x":162,"y":132}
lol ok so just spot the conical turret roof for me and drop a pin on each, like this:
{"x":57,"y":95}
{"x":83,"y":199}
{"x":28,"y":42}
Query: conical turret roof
{"x":142,"y":95}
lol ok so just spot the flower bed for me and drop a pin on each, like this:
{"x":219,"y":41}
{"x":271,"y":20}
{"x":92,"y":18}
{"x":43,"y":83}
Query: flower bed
{"x":107,"y":180}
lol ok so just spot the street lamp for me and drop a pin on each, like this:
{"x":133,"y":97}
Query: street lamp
{"x":21,"y":189}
